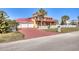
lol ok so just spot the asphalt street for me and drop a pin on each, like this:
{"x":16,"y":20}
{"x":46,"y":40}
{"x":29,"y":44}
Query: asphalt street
{"x":59,"y":42}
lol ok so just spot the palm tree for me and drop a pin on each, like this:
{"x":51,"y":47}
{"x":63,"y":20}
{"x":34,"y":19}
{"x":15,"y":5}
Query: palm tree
{"x":78,"y":20}
{"x":64,"y":19}
{"x":40,"y":14}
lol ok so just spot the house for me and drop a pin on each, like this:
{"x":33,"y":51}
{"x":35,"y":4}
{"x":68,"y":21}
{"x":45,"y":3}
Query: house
{"x":37,"y":20}
{"x":32,"y":22}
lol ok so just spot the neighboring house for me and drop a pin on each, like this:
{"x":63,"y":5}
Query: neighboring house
{"x":32,"y":22}
{"x":75,"y":22}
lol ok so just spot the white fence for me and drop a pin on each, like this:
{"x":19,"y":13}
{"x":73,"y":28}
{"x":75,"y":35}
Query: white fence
{"x":43,"y":27}
{"x":55,"y":26}
{"x":63,"y":26}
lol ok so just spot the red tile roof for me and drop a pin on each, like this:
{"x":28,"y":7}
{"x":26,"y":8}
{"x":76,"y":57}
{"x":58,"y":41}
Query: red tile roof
{"x":23,"y":20}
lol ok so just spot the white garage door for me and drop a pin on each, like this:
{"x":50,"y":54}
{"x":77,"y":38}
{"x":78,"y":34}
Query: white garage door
{"x":25,"y":25}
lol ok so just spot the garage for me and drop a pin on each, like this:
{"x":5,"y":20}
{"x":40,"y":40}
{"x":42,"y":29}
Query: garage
{"x":25,"y":23}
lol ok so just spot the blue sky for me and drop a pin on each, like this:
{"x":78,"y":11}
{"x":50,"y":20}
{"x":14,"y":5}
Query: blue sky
{"x":55,"y":13}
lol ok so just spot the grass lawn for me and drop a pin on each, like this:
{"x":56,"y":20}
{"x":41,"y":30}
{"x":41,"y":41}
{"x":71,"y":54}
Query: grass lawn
{"x":64,"y":30}
{"x":13,"y":36}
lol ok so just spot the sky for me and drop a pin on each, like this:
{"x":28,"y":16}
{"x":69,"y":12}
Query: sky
{"x":55,"y":13}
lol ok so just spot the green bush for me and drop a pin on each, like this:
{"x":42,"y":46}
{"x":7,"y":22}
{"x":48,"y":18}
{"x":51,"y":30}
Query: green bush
{"x":4,"y":27}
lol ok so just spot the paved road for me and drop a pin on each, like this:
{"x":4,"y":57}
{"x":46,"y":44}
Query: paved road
{"x":60,"y":42}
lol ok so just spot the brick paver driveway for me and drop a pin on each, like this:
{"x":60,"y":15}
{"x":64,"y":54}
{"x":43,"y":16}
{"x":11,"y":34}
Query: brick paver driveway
{"x":33,"y":33}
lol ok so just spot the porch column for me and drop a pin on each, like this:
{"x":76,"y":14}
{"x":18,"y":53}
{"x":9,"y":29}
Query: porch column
{"x":44,"y":23}
{"x":50,"y":24}
{"x":41,"y":22}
